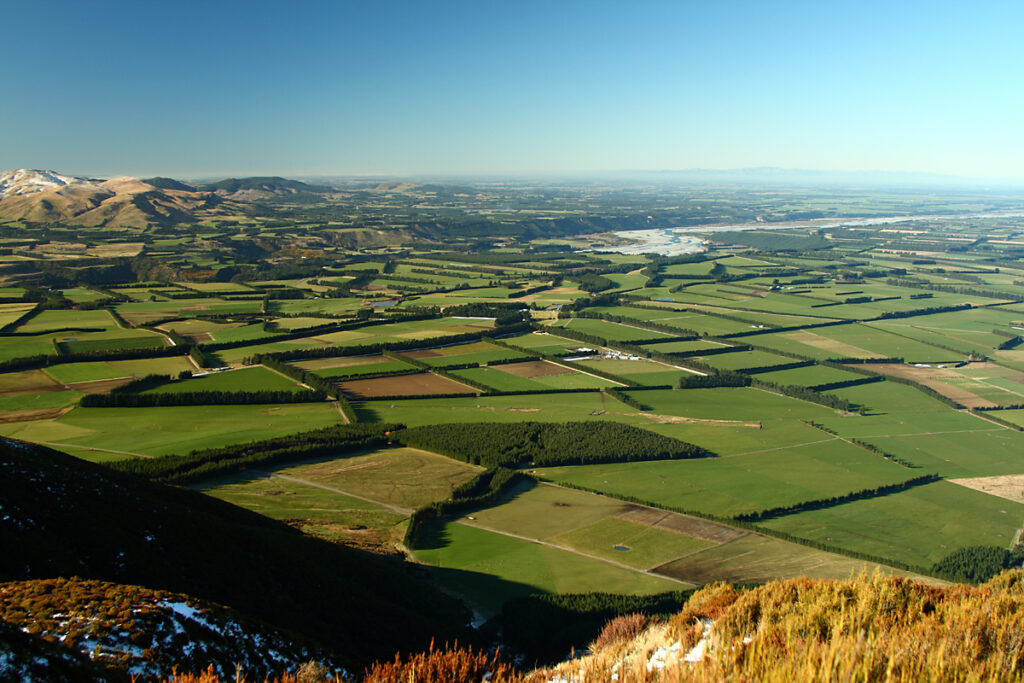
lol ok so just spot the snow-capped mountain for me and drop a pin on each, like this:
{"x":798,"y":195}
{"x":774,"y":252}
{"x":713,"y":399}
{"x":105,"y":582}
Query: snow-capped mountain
{"x":29,"y":181}
{"x":50,"y":198}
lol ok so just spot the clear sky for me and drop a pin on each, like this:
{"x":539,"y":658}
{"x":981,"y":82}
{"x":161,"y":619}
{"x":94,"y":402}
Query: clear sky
{"x":220,"y":87}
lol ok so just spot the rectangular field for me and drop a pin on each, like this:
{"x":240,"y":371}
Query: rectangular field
{"x":325,"y":514}
{"x":477,"y":352}
{"x":173,"y":429}
{"x":417,"y":384}
{"x":920,"y":526}
{"x":246,"y":379}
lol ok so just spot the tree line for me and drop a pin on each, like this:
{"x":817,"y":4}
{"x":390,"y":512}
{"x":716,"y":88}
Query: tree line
{"x":213,"y":462}
{"x":199,"y":398}
{"x":573,"y":620}
{"x":543,"y":444}
{"x":822,"y":503}
{"x":977,"y":564}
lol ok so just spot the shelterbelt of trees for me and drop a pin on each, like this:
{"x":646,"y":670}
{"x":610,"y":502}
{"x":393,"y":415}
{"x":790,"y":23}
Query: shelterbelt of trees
{"x":495,"y":444}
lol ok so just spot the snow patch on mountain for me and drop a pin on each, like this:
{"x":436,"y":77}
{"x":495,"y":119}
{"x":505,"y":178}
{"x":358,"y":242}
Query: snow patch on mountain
{"x":29,"y":181}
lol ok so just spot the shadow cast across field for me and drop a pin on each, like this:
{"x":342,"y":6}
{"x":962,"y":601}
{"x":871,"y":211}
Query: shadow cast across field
{"x":485,"y":593}
{"x":434,"y":535}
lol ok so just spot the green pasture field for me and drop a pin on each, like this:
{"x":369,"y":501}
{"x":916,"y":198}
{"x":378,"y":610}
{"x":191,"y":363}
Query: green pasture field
{"x":988,"y":450}
{"x":46,"y":400}
{"x":756,"y":559}
{"x":745,"y":262}
{"x":554,"y":296}
{"x":489,"y":569}
{"x":888,"y":345}
{"x":725,"y":403}
{"x":11,"y":312}
{"x":890,"y":397}
{"x":240,"y":333}
{"x":906,"y":423}
{"x":76,"y":342}
{"x":355,"y":371}
{"x":296,"y":324}
{"x":544,"y":343}
{"x":570,"y":380}
{"x":739,"y":484}
{"x":217,"y":287}
{"x":90,"y":455}
{"x":1015,"y":416}
{"x":767,"y":318}
{"x":702,"y":323}
{"x":739,"y":360}
{"x":627,"y":281}
{"x":141,"y":294}
{"x":689,"y":269}
{"x":613,"y":332}
{"x":27,"y":381}
{"x":140,"y":313}
{"x":994,"y":383}
{"x":963,"y":340}
{"x":498,"y":380}
{"x":725,"y":421}
{"x":94,"y":371}
{"x":637,"y":545}
{"x":11,"y":293}
{"x":810,"y":344}
{"x":585,"y":522}
{"x":477,"y":352}
{"x":1011,"y":358}
{"x":344,"y":364}
{"x":198,"y":326}
{"x":418,"y":329}
{"x":329,"y":307}
{"x":635,"y":312}
{"x":407,"y":477}
{"x":684,"y":346}
{"x":544,"y":511}
{"x":56,"y":319}
{"x":642,"y":372}
{"x":245,"y":379}
{"x":531,"y":407}
{"x":83,"y":295}
{"x":809,"y":376}
{"x":174,"y":429}
{"x":109,"y":340}
{"x":445,"y":299}
{"x":325,"y":514}
{"x":919,"y":526}
{"x":237,"y":356}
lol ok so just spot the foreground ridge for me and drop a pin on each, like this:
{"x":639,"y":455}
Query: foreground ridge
{"x":867,"y":629}
{"x":871,"y":628}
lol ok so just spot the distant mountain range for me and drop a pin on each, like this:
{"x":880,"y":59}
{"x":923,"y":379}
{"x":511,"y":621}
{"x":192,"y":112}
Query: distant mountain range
{"x":262,"y":187}
{"x":47,"y":197}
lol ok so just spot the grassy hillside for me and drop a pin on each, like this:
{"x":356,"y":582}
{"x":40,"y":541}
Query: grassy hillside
{"x":64,"y":517}
{"x":145,"y":633}
{"x":865,"y":629}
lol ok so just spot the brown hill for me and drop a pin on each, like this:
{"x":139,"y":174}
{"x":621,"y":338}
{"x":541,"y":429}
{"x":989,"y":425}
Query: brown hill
{"x":118,"y":203}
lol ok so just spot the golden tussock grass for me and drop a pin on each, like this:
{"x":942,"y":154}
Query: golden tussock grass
{"x":872,"y":628}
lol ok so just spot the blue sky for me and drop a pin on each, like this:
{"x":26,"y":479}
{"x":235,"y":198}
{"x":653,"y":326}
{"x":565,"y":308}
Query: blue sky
{"x":304,"y":88}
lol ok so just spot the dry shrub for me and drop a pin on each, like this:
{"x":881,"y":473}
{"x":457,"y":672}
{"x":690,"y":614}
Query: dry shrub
{"x":310,"y":672}
{"x":451,"y":665}
{"x":621,"y":629}
{"x":708,"y":603}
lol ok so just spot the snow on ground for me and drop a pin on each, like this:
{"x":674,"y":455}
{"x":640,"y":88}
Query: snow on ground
{"x":27,"y":181}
